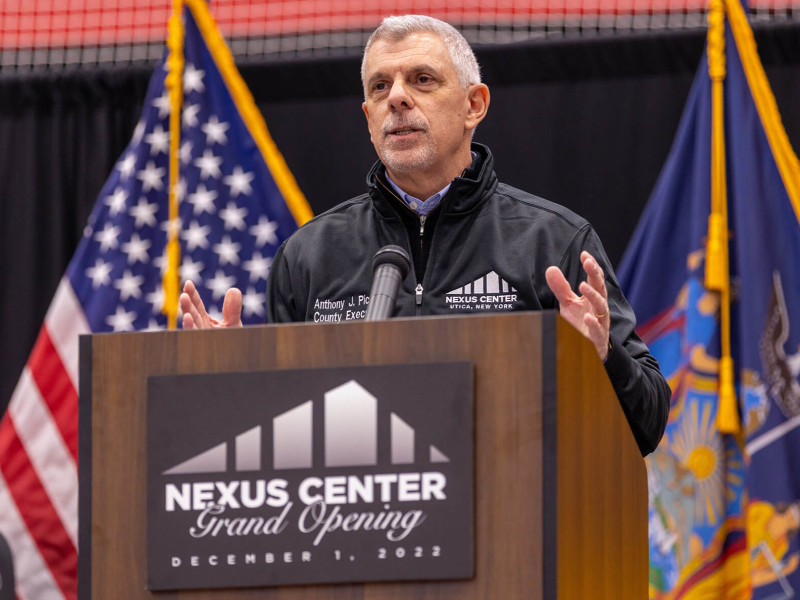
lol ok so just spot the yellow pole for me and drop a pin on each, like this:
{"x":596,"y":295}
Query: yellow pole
{"x":174,"y":84}
{"x":717,"y":263}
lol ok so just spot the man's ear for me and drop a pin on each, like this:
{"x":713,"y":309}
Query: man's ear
{"x":366,"y":114}
{"x":478,"y":98}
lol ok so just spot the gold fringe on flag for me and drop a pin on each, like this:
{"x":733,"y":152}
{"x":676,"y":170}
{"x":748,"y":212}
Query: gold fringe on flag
{"x":717,"y":269}
{"x":174,"y":84}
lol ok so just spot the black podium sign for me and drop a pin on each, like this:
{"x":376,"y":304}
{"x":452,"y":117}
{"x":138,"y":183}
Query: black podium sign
{"x":310,"y":476}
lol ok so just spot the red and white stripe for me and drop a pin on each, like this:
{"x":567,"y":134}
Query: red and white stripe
{"x":39,"y":458}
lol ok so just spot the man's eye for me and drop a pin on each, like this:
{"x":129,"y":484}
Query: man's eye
{"x":379,"y":87}
{"x":424,"y":79}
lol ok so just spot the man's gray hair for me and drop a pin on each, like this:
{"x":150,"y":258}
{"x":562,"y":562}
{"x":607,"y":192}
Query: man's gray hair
{"x":396,"y":29}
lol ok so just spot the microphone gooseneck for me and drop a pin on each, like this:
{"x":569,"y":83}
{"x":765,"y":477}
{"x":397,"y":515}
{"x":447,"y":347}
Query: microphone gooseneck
{"x":390,"y":266}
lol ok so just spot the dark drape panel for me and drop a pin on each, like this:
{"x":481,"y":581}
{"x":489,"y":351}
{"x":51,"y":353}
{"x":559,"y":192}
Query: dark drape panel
{"x":59,"y":137}
{"x":587,"y":124}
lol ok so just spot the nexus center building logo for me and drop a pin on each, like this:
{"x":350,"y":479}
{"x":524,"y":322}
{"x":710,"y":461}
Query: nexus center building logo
{"x":310,"y":476}
{"x":351,"y":438}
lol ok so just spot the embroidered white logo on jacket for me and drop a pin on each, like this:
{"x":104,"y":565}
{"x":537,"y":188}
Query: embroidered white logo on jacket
{"x":490,"y":292}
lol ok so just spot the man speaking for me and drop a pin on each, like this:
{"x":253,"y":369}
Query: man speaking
{"x":477,"y":245}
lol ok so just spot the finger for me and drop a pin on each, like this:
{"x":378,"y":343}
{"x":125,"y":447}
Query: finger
{"x":196,"y":308}
{"x":190,"y":290}
{"x":594,"y":273}
{"x":188,"y":322}
{"x":185,"y":302}
{"x":189,"y":308}
{"x":597,"y":334}
{"x":559,"y":285}
{"x":232,"y":308}
{"x":597,"y":302}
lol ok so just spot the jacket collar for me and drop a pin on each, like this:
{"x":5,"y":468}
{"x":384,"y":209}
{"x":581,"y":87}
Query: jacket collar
{"x":467,"y":191}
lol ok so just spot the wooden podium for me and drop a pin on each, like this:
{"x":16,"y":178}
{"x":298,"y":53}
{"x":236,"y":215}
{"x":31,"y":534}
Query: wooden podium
{"x":560,"y":486}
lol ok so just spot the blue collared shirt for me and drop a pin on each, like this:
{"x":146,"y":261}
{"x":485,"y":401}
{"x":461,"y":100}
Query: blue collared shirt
{"x":421,"y":207}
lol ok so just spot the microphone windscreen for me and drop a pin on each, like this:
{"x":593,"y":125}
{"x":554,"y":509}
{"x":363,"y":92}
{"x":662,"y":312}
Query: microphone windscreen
{"x":392,"y":255}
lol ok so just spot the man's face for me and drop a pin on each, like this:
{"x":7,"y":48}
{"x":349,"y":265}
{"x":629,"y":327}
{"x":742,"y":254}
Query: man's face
{"x":416,"y":110}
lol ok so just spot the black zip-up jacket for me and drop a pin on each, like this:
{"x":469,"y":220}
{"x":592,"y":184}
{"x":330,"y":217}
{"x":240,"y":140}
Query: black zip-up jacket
{"x":484,"y":248}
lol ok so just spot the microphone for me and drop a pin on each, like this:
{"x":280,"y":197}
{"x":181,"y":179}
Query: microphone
{"x":390,"y":266}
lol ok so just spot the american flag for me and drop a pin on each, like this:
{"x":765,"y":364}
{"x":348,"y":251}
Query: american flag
{"x":238,"y":202}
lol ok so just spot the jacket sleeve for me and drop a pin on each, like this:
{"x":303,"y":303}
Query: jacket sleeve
{"x":634,"y":373}
{"x":281,"y":306}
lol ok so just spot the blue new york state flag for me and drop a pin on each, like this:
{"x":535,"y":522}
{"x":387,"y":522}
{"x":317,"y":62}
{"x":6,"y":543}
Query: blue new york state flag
{"x":724,"y":507}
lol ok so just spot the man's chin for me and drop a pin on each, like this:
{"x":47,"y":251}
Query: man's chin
{"x":406,"y":161}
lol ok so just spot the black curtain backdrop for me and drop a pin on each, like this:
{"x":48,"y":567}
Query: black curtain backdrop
{"x":586,"y":123}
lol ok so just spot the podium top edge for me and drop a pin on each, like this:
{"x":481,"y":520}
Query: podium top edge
{"x":535,"y":314}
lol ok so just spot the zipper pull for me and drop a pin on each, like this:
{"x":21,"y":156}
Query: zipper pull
{"x":418,"y":293}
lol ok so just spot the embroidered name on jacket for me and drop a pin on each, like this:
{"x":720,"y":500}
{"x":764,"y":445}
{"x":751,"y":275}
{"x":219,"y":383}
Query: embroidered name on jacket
{"x":487,"y":293}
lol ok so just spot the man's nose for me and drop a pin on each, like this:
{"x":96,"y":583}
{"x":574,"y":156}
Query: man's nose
{"x":399,"y":97}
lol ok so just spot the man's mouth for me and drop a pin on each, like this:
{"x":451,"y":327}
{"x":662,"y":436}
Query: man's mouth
{"x":403,"y":131}
{"x":399,"y":129}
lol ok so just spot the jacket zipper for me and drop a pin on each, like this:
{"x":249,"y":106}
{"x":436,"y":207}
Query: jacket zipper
{"x":418,"y":290}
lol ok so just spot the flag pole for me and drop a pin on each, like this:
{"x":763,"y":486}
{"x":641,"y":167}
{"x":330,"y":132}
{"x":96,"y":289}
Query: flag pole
{"x":174,"y":84}
{"x":717,"y":265}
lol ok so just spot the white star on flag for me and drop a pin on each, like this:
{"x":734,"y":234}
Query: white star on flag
{"x":185,"y":152}
{"x":215,"y":131}
{"x":180,"y":189}
{"x":220,"y":284}
{"x":158,"y":140}
{"x":163,"y":104}
{"x":152,"y":177}
{"x":239,"y":182}
{"x":264,"y":231}
{"x":129,"y":286}
{"x":193,"y":79}
{"x":233,"y":216}
{"x":127,"y":165}
{"x":228,"y":251}
{"x":258,"y":266}
{"x":144,"y":213}
{"x":121,"y":320}
{"x":99,"y":273}
{"x":253,"y":302}
{"x":156,"y":298}
{"x":209,"y":165}
{"x":136,"y":249}
{"x":196,"y":236}
{"x":108,"y":237}
{"x":116,"y":202}
{"x":160,"y":262}
{"x":167,"y":225}
{"x":190,"y":115}
{"x":191,"y":269}
{"x":203,"y":200}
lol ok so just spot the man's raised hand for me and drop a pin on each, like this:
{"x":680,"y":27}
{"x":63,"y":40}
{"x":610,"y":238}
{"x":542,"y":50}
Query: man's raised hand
{"x":588,"y":313}
{"x":194,"y":311}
